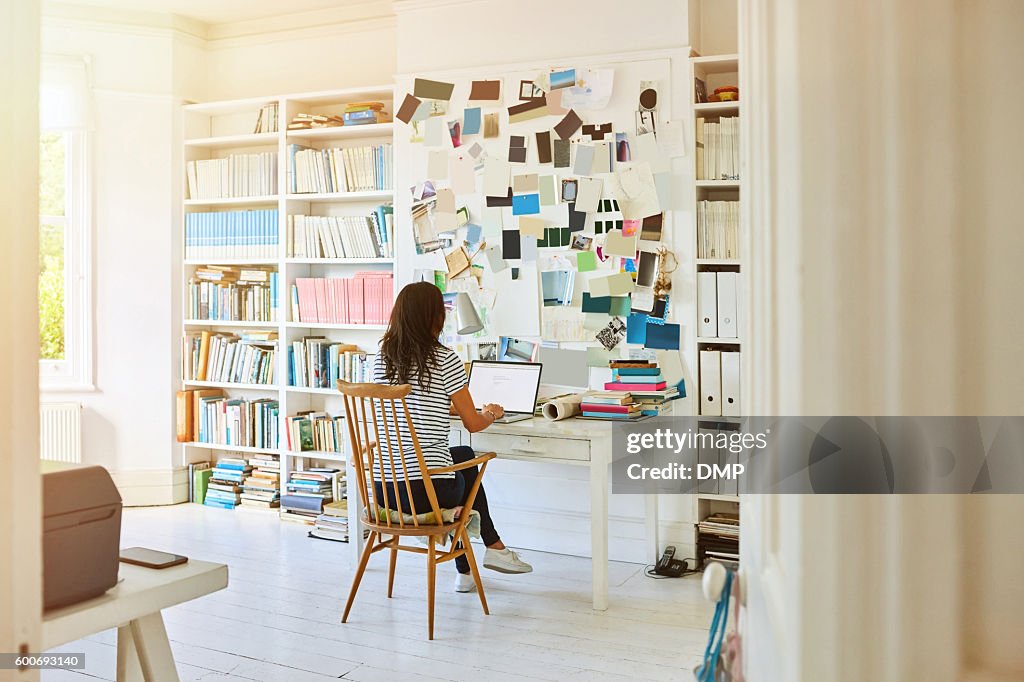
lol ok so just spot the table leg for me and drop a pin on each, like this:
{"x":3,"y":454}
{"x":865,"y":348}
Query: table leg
{"x":355,"y":529}
{"x":154,"y":649}
{"x":599,"y":529}
{"x":651,"y":527}
{"x":128,"y":668}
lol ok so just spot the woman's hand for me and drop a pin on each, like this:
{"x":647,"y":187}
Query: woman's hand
{"x":495,"y":410}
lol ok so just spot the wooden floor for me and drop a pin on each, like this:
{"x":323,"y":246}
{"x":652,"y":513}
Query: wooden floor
{"x":279,"y":618}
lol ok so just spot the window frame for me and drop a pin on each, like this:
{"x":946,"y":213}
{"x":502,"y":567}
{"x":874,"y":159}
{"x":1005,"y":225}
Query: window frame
{"x":75,"y":371}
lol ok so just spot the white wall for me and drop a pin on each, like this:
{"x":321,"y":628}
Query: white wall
{"x":128,"y":420}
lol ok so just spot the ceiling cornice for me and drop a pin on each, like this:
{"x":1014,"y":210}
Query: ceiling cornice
{"x":404,"y":6}
{"x":133,"y":21}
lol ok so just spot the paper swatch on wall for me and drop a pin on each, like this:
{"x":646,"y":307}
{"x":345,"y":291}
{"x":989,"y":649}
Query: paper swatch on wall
{"x":408,"y":109}
{"x":462,"y":175}
{"x":428,"y":89}
{"x":494,"y":259}
{"x":532,"y":227}
{"x":510,"y":244}
{"x":544,"y":146}
{"x":517,"y":304}
{"x":496,"y":175}
{"x":617,"y":244}
{"x":437,"y":164}
{"x":471,"y":121}
{"x":554,"y":100}
{"x":618,"y":284}
{"x":635,"y":191}
{"x":517,"y":148}
{"x":485,"y":91}
{"x":586,"y":261}
{"x":491,"y":127}
{"x":665,"y":336}
{"x":577,"y":219}
{"x":434,"y":132}
{"x":561,"y":153}
{"x":525,"y":204}
{"x":584,"y":159}
{"x":588,"y":194}
{"x":525,"y":111}
{"x":528,"y":248}
{"x":568,"y":126}
{"x":525,"y":183}
{"x":546,"y":187}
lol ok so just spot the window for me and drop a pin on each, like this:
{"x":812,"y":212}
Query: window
{"x":65,"y":334}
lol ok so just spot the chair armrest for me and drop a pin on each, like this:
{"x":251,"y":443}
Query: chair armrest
{"x":479,"y":459}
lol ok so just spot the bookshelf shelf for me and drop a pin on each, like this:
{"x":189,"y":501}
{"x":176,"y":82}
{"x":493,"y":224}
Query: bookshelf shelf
{"x":344,"y":132}
{"x":340,"y":261}
{"x":231,"y":261}
{"x":231,"y":448}
{"x":718,"y":261}
{"x":382,"y":195}
{"x":717,"y":63}
{"x":712,"y":108}
{"x":233,"y":201}
{"x":229,"y":384}
{"x":720,"y":498}
{"x":227,"y":141}
{"x":324,"y":325}
{"x":313,"y":391}
{"x":719,"y":184}
{"x":317,"y":454}
{"x":230,"y":323}
{"x":708,"y":339}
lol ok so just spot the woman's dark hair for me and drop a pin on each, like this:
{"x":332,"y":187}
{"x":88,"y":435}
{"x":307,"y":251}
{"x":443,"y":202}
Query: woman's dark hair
{"x":409,"y":345}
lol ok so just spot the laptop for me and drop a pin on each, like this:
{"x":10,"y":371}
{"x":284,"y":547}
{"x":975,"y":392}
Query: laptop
{"x":513,"y":385}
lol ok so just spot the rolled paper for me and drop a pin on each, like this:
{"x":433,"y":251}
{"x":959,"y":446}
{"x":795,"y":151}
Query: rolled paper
{"x":563,"y":407}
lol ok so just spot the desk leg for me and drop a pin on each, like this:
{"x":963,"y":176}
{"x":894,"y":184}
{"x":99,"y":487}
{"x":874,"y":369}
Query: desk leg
{"x":128,"y":668}
{"x":355,"y":528}
{"x":651,"y":527}
{"x":154,"y":649}
{"x":599,"y":529}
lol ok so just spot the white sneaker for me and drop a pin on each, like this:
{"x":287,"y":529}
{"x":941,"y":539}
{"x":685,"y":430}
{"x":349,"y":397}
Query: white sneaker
{"x":505,"y":561}
{"x":464,"y":582}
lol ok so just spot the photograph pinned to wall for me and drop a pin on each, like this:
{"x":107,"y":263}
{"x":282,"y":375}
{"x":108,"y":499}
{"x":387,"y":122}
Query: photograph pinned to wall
{"x":569,"y":189}
{"x":651,"y":227}
{"x":581,"y":242}
{"x":485,"y":91}
{"x":622,"y":152}
{"x":528,"y":91}
{"x":427,"y":238}
{"x":647,"y":108}
{"x":557,"y":286}
{"x":486,"y":351}
{"x":491,"y":126}
{"x":565,"y":78}
{"x":455,"y":132}
{"x":630,"y":228}
{"x":647,"y":269}
{"x":423,"y":191}
{"x":592,"y":91}
{"x":511,"y":349}
{"x":612,"y":334}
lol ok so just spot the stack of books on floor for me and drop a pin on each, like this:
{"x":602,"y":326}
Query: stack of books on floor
{"x":306,"y":493}
{"x":333,"y":523}
{"x":318,"y":362}
{"x":644,"y":382}
{"x":225,"y":487}
{"x":612,"y":405}
{"x":262,"y":489}
{"x":718,"y":538}
{"x":221,"y":292}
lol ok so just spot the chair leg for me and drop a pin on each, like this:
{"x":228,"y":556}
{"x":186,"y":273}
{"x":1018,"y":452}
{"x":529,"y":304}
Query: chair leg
{"x":431,"y":574}
{"x":367,"y":550}
{"x":391,"y":567}
{"x":474,"y":570}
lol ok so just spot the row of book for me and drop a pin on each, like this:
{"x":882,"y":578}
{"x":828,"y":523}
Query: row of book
{"x":637,"y":390}
{"x":243,"y":358}
{"x":315,"y":431}
{"x":348,"y":236}
{"x":318,"y":362}
{"x":231,"y":234}
{"x":209,"y":416}
{"x":718,"y":149}
{"x":718,"y":538}
{"x":341,"y":169}
{"x":239,"y":175}
{"x":226,"y":293}
{"x":365,"y":298}
{"x":266,"y":121}
{"x":307,"y":491}
{"x":718,"y":229}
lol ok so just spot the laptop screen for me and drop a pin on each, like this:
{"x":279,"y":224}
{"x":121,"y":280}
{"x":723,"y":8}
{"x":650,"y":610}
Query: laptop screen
{"x":513,"y":385}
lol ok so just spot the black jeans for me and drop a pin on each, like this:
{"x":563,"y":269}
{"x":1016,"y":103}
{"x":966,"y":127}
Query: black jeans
{"x":451,"y":492}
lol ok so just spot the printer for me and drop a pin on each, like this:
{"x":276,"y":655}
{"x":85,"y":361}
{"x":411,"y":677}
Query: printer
{"x":81,"y":535}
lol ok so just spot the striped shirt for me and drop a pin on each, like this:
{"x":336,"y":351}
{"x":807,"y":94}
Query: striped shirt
{"x":428,"y":410}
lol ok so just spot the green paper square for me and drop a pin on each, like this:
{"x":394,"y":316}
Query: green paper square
{"x":586,"y":261}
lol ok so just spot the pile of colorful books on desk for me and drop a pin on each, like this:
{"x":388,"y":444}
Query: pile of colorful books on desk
{"x":644,"y":382}
{"x":225,"y":486}
{"x":615,"y":405}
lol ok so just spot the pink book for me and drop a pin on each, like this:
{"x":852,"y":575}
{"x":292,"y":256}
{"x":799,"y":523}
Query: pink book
{"x":355,"y":301}
{"x":342,"y":285}
{"x":373,"y":287}
{"x":332,"y":315}
{"x":389,"y":297}
{"x":619,"y":386}
{"x":307,"y":300}
{"x":599,"y":407}
{"x":322,"y":312}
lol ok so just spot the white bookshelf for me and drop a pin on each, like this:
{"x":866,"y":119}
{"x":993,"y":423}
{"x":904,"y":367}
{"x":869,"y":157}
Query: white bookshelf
{"x":216,"y":129}
{"x":716,"y":71}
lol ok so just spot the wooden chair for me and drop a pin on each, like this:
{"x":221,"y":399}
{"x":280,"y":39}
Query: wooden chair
{"x":372,"y":419}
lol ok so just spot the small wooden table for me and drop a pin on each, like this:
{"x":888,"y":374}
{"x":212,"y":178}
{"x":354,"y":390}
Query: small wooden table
{"x":133,"y":606}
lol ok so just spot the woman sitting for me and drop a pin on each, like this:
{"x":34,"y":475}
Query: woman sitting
{"x":410,"y":353}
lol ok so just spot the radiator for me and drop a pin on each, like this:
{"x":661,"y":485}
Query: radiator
{"x":60,"y":432}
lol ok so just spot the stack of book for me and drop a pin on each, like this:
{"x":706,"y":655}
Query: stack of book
{"x":718,"y":229}
{"x":366,"y":298}
{"x":225,"y":487}
{"x":231,"y":234}
{"x":333,"y":523}
{"x":364,"y":113}
{"x":262,"y":489}
{"x":239,"y":175}
{"x":306,"y":493}
{"x":718,"y":538}
{"x":303,"y":121}
{"x":208,"y":416}
{"x":718,"y":149}
{"x":343,"y":169}
{"x":229,"y":358}
{"x":221,"y":292}
{"x":616,"y":405}
{"x":317,"y":362}
{"x":351,"y":236}
{"x":266,"y":122}
{"x":315,"y":432}
{"x":646,"y":385}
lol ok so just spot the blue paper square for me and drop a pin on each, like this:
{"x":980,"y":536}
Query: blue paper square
{"x":665,"y":336}
{"x":473,"y":233}
{"x":525,"y":204}
{"x":471,"y":121}
{"x":636,"y":328}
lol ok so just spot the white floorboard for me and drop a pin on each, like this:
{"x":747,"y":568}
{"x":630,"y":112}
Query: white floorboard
{"x":280,"y":618}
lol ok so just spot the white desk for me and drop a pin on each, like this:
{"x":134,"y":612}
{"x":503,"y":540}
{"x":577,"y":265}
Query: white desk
{"x":570,"y":441}
{"x":133,"y":606}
